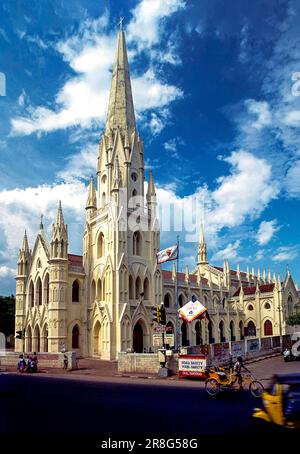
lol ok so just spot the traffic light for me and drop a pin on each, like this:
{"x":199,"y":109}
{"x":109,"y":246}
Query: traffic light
{"x":19,"y":335}
{"x":156,"y":314}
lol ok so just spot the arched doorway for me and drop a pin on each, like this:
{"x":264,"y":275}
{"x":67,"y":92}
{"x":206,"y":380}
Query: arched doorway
{"x":222,"y":331}
{"x":97,"y":339}
{"x":138,"y":335}
{"x":36,"y":340}
{"x":45,"y":338}
{"x":268,"y":328}
{"x":232,"y":336}
{"x":241,"y":329}
{"x":198,"y":333}
{"x":28,"y":340}
{"x":184,"y":339}
{"x":75,"y":337}
{"x":251,"y":329}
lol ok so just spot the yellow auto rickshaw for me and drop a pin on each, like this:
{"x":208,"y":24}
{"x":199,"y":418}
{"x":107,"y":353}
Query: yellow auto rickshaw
{"x":281,"y":403}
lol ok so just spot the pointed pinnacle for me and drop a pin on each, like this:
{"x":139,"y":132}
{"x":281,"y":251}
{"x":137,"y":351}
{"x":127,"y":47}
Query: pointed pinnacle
{"x":151,"y":188}
{"x":60,"y":217}
{"x":92,"y":199}
{"x":25,"y":245}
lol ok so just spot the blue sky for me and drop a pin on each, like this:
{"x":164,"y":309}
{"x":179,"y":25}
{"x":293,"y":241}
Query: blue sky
{"x":218,"y":106}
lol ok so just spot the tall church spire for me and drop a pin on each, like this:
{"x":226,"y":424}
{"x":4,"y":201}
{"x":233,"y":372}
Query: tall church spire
{"x":120,"y":108}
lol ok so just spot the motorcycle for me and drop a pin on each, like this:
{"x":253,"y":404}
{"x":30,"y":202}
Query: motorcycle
{"x":288,"y":355}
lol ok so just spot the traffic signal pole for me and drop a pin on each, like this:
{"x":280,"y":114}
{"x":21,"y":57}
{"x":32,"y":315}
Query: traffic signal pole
{"x":177,"y":302}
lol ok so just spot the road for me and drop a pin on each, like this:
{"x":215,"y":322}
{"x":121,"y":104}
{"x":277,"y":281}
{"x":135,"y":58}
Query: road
{"x":78,"y":409}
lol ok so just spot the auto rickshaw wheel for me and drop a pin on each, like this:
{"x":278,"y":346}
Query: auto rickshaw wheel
{"x":212,"y":387}
{"x":256,"y":388}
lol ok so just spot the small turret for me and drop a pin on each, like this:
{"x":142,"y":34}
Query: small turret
{"x":202,"y":250}
{"x":24,"y":257}
{"x":151,"y":197}
{"x":91,"y":203}
{"x":59,"y":243}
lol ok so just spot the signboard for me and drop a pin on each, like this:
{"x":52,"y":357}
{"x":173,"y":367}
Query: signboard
{"x":191,"y":310}
{"x":191,"y":366}
{"x":157,"y":340}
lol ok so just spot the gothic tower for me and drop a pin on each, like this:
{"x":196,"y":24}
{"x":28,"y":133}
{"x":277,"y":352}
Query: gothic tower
{"x":123,"y":281}
{"x":24,"y":263}
{"x":58,"y":284}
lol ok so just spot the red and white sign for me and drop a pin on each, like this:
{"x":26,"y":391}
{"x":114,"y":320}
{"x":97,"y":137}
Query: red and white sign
{"x":192,"y":310}
{"x":192,"y":366}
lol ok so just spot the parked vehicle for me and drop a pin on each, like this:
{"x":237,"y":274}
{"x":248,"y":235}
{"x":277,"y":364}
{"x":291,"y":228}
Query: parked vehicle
{"x":281,"y":403}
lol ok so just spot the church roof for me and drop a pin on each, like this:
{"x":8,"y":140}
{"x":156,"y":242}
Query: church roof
{"x":75,"y":259}
{"x":75,"y":263}
{"x":265,"y":288}
{"x":181,"y":277}
{"x":120,"y":108}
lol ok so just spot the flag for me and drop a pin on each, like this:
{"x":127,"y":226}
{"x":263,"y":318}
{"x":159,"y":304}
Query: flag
{"x":171,"y":253}
{"x":192,"y":310}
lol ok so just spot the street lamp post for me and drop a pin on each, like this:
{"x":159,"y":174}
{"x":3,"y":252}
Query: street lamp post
{"x":280,"y":327}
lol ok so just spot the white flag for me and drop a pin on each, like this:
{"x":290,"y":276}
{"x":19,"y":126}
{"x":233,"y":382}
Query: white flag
{"x":168,"y":254}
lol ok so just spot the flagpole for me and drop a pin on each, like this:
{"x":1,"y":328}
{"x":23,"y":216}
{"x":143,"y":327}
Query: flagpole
{"x":177,"y":302}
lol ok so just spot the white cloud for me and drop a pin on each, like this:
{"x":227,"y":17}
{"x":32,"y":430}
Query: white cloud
{"x":292,"y":118}
{"x":285,"y":253}
{"x":261,"y":110}
{"x":245,"y":192}
{"x":171,"y":146}
{"x":293,"y":179}
{"x":266,"y":231}
{"x":81,"y":165}
{"x":144,"y":29}
{"x":82,"y":101}
{"x":5,"y":272}
{"x":230,"y":252}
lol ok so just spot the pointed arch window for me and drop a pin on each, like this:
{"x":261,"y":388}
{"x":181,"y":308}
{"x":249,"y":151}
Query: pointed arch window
{"x":136,"y":243}
{"x":103,"y":199}
{"x":31,"y":294}
{"x":100,"y":246}
{"x":99,"y":289}
{"x":75,"y":292}
{"x":167,"y":300}
{"x":131,"y":288}
{"x":75,"y":337}
{"x":146,"y":289}
{"x":138,"y":288}
{"x":46,"y":289}
{"x":39,"y":292}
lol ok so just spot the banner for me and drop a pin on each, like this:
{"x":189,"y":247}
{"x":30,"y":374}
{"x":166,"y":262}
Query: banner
{"x":191,"y":311}
{"x":167,"y":255}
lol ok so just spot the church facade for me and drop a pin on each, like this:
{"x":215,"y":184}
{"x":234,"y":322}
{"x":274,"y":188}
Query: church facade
{"x":100,"y":303}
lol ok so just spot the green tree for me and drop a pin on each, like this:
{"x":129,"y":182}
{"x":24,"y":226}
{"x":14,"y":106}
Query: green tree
{"x":294,"y":319}
{"x":7,"y":314}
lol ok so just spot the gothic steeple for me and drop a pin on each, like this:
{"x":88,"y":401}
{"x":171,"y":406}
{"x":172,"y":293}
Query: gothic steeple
{"x":120,"y":108}
{"x":202,"y":253}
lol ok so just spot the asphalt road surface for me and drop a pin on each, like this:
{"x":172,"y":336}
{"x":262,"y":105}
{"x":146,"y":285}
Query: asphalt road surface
{"x":71,"y":410}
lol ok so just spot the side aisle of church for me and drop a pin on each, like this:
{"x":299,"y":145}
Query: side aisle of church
{"x":100,"y":304}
